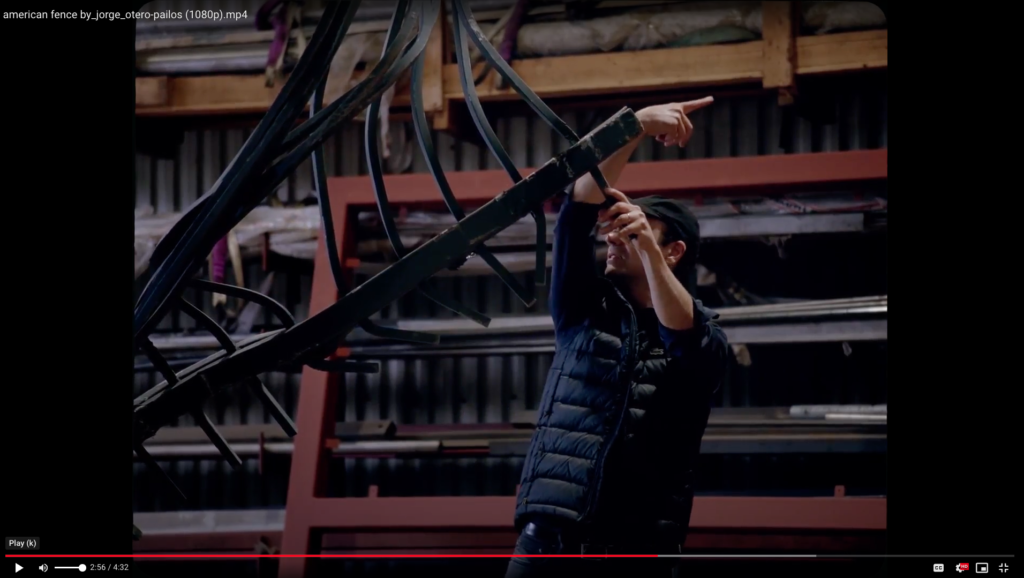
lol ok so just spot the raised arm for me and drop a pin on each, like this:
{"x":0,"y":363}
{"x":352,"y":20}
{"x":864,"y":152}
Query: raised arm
{"x":575,"y":267}
{"x":666,"y":122}
{"x":586,"y":191}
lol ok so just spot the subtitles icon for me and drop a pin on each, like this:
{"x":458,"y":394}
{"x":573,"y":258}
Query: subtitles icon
{"x":938,"y":567}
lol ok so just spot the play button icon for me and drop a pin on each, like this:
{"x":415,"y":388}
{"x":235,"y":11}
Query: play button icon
{"x":17,"y":567}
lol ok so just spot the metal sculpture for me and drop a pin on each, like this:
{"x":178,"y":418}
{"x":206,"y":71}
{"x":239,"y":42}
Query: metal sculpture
{"x":275,"y":150}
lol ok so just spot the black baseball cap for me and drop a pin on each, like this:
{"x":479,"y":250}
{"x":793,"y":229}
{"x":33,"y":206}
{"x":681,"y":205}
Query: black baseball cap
{"x":678,"y":218}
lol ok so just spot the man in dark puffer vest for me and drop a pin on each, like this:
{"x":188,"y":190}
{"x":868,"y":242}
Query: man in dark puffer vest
{"x":610,"y":467}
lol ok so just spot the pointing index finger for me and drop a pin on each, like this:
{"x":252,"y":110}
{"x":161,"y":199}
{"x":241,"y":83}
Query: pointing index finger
{"x":698,"y":104}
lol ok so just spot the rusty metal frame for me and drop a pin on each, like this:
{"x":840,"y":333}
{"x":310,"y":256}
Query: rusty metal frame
{"x":693,"y":178}
{"x":717,"y":522}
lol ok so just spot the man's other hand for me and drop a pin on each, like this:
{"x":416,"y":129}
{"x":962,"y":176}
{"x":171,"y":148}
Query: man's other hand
{"x":625,"y":221}
{"x":669,"y":123}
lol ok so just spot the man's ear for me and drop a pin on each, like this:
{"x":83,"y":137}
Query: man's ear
{"x":674,"y":252}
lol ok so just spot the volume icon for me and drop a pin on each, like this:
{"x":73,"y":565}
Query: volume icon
{"x":43,"y":568}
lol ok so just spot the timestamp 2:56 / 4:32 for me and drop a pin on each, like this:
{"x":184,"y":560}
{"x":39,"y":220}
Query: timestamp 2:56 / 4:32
{"x":109,"y":567}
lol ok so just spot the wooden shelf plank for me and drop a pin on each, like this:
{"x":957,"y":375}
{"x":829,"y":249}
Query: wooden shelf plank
{"x":845,"y":52}
{"x":617,"y":72}
{"x":667,"y":68}
{"x":220,"y":94}
{"x":552,"y":77}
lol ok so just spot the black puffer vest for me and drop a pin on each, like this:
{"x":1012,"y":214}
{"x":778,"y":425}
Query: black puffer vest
{"x":619,"y":425}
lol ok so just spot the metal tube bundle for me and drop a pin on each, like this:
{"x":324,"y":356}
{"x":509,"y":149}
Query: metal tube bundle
{"x":273,"y":152}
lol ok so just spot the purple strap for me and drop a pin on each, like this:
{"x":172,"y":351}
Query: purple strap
{"x":267,"y":18}
{"x":220,"y":259}
{"x":508,"y":40}
{"x":263,"y":15}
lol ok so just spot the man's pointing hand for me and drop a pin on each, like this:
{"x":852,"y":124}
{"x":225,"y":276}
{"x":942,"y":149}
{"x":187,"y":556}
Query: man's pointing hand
{"x":669,"y":123}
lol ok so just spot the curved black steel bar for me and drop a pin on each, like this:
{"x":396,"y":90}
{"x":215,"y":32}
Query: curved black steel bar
{"x":257,"y":143}
{"x":331,"y":241}
{"x":158,"y":361}
{"x":265,"y":183}
{"x":324,"y":199}
{"x":428,"y":16}
{"x":382,"y":76}
{"x":198,"y":237}
{"x":422,"y":129}
{"x":222,"y":445}
{"x":256,"y":150}
{"x":253,"y":383}
{"x":464,"y":15}
{"x":393,"y":62}
{"x":269,"y":402}
{"x":317,"y":120}
{"x":476,"y":112}
{"x":482,"y":74}
{"x":355,"y":100}
{"x":201,"y":418}
{"x":211,"y":326}
{"x":154,"y":466}
{"x":344,"y":108}
{"x":280,"y":311}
